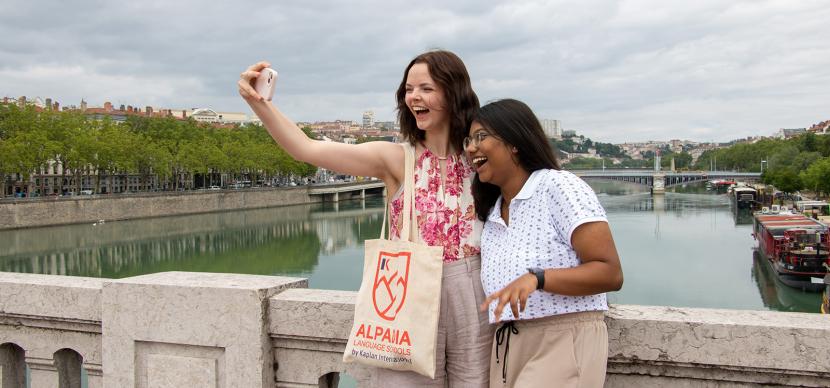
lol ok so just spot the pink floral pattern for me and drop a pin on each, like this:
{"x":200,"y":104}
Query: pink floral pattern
{"x":445,"y":211}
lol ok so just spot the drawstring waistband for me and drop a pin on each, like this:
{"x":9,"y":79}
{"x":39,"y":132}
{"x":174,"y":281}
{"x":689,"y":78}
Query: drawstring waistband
{"x":510,"y":328}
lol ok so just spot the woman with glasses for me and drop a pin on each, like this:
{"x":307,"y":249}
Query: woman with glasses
{"x":547,"y":252}
{"x":435,"y":103}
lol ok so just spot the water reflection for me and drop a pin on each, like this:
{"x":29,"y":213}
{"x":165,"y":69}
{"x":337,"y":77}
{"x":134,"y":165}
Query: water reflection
{"x":777,"y":295}
{"x":742,"y":216}
{"x":284,"y":240}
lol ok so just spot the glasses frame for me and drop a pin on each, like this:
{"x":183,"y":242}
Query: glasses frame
{"x":476,"y":139}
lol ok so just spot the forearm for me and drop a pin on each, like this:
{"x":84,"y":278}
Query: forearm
{"x":589,"y":278}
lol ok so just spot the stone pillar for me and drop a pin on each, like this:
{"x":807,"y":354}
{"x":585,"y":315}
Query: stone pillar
{"x":658,"y":184}
{"x":42,"y":372}
{"x":336,"y":197}
{"x":362,"y":193}
{"x":179,"y":329}
{"x":94,"y":376}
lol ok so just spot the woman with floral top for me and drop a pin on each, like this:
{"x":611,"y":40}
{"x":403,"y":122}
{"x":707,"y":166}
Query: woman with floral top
{"x":547,"y":252}
{"x":435,"y":103}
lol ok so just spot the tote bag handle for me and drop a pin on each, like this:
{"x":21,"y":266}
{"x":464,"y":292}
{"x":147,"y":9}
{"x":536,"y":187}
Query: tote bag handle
{"x":409,"y":231}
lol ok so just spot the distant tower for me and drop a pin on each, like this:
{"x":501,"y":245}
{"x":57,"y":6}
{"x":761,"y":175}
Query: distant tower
{"x":553,"y":129}
{"x":368,"y":119}
{"x":657,"y":161}
{"x":48,"y":103}
{"x":83,"y":105}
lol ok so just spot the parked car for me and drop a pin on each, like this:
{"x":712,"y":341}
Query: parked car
{"x":214,"y":187}
{"x":86,"y":192}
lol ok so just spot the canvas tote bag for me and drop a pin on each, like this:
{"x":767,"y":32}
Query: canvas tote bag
{"x":396,"y":313}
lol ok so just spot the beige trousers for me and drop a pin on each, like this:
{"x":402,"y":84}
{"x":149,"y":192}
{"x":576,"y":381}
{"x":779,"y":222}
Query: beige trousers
{"x":562,"y":351}
{"x":462,"y":351}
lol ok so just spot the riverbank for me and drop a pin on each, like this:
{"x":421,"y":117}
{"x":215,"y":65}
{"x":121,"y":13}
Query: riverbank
{"x":88,"y":209}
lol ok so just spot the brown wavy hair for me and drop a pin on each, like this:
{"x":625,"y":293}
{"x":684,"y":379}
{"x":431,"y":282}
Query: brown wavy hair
{"x":449,"y":72}
{"x":514,"y":123}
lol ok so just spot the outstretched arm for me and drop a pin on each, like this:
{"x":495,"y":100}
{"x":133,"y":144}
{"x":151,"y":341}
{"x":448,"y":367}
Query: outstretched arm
{"x":383,"y":160}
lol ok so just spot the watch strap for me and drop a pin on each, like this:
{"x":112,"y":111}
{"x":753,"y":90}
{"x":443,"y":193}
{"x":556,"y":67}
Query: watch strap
{"x":540,"y":277}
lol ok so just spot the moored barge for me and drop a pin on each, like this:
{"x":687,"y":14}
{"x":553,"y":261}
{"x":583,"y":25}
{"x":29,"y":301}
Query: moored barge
{"x":744,"y":197}
{"x":795,"y":246}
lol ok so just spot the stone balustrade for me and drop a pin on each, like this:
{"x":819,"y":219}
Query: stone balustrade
{"x":178,"y":329}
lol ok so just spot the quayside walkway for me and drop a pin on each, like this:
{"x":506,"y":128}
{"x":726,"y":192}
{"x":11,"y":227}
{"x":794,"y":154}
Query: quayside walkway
{"x":181,"y":329}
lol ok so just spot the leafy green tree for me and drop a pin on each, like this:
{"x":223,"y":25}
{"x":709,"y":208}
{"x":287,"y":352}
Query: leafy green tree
{"x":785,"y":179}
{"x":585,"y":164}
{"x":817,"y":176}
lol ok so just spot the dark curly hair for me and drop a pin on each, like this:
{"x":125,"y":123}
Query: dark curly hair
{"x":449,"y":72}
{"x":514,"y":123}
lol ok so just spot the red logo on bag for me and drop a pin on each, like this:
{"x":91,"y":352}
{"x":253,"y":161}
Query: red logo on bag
{"x":391,"y":279}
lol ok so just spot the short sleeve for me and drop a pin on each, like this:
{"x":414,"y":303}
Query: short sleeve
{"x":572,"y":203}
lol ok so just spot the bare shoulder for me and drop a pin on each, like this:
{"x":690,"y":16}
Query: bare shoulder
{"x":392,"y":157}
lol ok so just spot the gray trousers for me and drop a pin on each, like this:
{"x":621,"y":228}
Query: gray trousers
{"x":465,"y":337}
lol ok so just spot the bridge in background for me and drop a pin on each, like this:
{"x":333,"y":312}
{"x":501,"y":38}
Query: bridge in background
{"x":659,"y":180}
{"x":332,"y":192}
{"x":656,"y":180}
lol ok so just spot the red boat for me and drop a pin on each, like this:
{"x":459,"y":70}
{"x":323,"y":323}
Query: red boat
{"x":719,"y":185}
{"x":796,"y":246}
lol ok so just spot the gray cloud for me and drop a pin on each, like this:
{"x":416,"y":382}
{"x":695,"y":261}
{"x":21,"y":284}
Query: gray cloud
{"x":612,"y":70}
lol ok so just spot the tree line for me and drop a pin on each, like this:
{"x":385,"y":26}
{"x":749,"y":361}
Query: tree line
{"x":169,"y":151}
{"x":794,"y":164}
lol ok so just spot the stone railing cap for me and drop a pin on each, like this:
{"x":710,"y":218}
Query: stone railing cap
{"x":755,"y":318}
{"x":51,"y":280}
{"x":211,"y":280}
{"x":48,"y":296}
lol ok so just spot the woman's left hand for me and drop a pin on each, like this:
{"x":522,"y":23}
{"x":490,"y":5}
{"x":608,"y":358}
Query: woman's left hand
{"x":515,"y":293}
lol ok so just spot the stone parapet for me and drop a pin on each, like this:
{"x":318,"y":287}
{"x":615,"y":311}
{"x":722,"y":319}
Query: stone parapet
{"x":47,"y":322}
{"x":201,"y":329}
{"x":656,"y":346}
{"x":649,"y":346}
{"x":309,"y":329}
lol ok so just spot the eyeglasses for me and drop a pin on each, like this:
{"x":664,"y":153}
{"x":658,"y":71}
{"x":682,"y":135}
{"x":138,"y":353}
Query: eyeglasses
{"x":476,"y":139}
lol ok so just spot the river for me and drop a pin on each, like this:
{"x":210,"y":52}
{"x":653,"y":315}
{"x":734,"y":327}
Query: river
{"x":684,"y":248}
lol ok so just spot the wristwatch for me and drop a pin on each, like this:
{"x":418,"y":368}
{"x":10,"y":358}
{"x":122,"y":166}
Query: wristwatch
{"x":540,"y":277}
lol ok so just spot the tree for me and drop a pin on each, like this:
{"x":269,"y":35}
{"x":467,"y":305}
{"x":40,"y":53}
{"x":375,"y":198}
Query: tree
{"x":785,"y":179}
{"x":817,"y":176}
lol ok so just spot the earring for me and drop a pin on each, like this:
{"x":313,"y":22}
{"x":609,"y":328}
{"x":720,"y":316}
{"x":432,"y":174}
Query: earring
{"x":515,"y":150}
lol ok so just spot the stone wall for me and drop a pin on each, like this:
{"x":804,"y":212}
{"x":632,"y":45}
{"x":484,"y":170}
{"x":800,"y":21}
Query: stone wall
{"x":200,"y":329}
{"x":83,"y":209}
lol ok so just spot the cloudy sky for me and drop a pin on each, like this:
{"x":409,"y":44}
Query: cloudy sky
{"x":614,"y":71}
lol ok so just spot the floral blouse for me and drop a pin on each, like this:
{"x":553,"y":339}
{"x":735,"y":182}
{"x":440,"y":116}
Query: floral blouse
{"x":445,"y":212}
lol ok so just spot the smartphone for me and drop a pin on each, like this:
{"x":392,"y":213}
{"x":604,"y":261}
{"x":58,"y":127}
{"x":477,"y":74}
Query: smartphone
{"x":265,"y":83}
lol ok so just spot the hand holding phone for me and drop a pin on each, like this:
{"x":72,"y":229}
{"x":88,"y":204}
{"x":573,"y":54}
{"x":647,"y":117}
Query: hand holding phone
{"x":265,"y":83}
